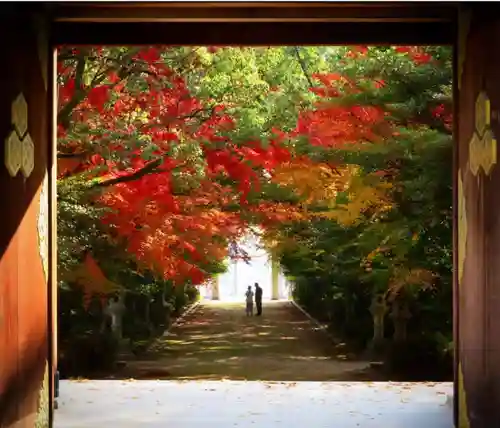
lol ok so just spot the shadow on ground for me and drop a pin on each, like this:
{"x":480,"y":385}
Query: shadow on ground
{"x":217,"y":341}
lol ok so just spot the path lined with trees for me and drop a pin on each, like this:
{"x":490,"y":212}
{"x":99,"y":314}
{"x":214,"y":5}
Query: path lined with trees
{"x":217,"y":341}
{"x":340,"y":156}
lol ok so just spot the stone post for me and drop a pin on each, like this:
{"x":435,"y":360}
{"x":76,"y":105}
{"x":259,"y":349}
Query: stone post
{"x":275,"y":272}
{"x":215,"y":287}
{"x":115,"y":310}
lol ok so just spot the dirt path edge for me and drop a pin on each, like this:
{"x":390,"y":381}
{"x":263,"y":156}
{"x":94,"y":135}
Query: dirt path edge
{"x":323,"y":328}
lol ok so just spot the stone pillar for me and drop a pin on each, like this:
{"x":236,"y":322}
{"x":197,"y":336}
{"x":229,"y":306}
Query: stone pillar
{"x":215,"y":287}
{"x":115,"y":310}
{"x":275,"y":272}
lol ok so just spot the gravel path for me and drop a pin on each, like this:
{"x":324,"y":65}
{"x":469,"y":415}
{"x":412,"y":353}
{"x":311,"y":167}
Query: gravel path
{"x":217,"y":341}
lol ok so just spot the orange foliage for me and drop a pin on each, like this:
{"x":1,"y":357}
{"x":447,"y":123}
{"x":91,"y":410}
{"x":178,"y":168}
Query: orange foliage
{"x":92,"y":279}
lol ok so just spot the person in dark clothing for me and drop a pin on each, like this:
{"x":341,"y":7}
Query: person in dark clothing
{"x":258,"y":298}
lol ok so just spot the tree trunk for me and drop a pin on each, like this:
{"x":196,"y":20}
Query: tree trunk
{"x":378,"y":309}
{"x":166,"y":307}
{"x":400,"y":315}
{"x":147,"y":316}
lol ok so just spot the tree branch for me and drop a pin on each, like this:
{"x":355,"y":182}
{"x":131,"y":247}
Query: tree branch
{"x":64,"y":114}
{"x":149,"y":168}
{"x":123,"y":71}
{"x":302,"y":66}
{"x":72,"y":155}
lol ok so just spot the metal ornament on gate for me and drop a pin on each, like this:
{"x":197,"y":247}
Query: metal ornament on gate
{"x":483,"y":145}
{"x":19,"y":147}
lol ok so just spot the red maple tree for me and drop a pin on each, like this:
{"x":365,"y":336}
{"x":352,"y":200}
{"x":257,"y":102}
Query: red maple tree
{"x":133,"y":134}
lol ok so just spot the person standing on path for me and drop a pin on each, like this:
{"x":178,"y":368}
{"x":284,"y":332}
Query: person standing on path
{"x":249,"y":300}
{"x":258,"y":298}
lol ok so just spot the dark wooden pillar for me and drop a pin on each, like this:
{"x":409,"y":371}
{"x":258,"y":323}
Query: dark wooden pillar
{"x":478,"y":197}
{"x":24,"y":230}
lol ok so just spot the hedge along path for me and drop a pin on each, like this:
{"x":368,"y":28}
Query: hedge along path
{"x":217,"y":341}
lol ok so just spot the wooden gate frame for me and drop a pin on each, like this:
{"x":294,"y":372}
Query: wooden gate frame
{"x":246,"y":23}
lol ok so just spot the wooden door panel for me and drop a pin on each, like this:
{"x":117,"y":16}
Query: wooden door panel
{"x":479,"y":222}
{"x":24,"y":328}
